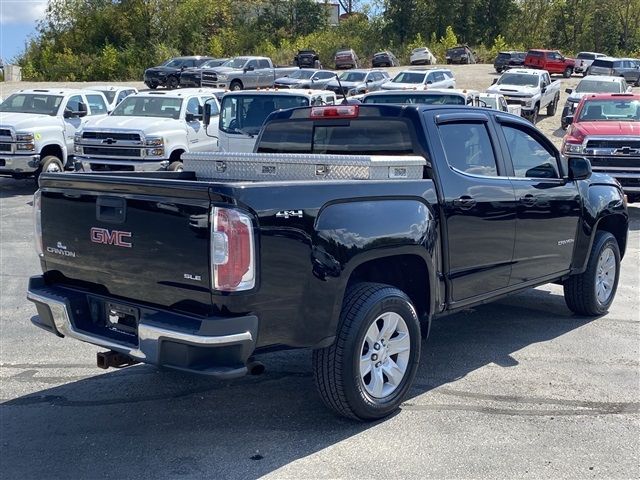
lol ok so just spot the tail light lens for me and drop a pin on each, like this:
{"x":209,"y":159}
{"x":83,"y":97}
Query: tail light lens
{"x":37,"y":222}
{"x":232,"y":251}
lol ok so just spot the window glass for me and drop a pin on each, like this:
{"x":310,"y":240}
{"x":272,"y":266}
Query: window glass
{"x":530,"y":158}
{"x":97,"y":106}
{"x":74,"y":103}
{"x":32,"y":103}
{"x":263,"y":63}
{"x":122,"y":95}
{"x":468,"y":148}
{"x":148,"y":106}
{"x":214,"y":105}
{"x":246,"y":113}
{"x":193,"y":106}
{"x":252,"y":63}
{"x":439,"y":77}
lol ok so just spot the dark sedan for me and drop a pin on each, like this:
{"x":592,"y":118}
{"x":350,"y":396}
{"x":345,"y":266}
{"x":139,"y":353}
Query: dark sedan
{"x":191,"y":77}
{"x":384,"y":59}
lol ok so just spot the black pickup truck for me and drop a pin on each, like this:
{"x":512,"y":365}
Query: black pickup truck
{"x":199,"y":274}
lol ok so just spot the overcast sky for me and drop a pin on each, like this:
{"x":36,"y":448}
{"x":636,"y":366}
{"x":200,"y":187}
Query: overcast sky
{"x":17,"y":21}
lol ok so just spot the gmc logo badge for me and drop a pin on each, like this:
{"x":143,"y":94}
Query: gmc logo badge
{"x":113,"y":237}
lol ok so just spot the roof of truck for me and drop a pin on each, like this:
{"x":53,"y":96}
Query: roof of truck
{"x":58,"y":91}
{"x":181,"y":93}
{"x":528,"y":71}
{"x":110,"y":88}
{"x":284,"y":91}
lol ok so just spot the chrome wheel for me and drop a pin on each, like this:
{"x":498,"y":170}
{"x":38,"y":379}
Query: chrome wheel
{"x":605,"y":275}
{"x":53,"y":167}
{"x":384,"y":356}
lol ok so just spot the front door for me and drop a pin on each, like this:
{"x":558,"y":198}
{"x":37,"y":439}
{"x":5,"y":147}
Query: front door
{"x":72,"y":124}
{"x":479,"y":207}
{"x":548,"y":205}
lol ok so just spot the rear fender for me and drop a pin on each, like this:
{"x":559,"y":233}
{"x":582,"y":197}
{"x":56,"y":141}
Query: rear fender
{"x":350,"y":234}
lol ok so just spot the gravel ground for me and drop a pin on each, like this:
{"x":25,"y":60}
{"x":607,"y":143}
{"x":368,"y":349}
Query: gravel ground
{"x":476,"y":77}
{"x":520,"y":388}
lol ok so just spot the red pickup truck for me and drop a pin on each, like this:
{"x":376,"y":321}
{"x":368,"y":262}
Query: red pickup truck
{"x":605,"y":128}
{"x":550,"y":60}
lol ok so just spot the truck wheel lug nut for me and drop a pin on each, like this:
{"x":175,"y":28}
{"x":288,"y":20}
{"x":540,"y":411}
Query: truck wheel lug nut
{"x":374,"y":357}
{"x":378,"y":364}
{"x":376,"y":346}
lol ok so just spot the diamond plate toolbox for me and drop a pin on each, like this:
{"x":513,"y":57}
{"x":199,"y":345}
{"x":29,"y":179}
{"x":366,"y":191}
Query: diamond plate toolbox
{"x":292,"y":166}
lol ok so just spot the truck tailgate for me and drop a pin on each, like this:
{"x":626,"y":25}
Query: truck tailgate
{"x":139,"y":239}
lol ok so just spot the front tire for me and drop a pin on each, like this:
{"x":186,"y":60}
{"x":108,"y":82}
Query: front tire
{"x":553,"y":107}
{"x":533,"y":117}
{"x":367,"y":372}
{"x":235,"y":86}
{"x":592,"y":292}
{"x":567,"y":72}
{"x":176,"y":166}
{"x":172,"y":83}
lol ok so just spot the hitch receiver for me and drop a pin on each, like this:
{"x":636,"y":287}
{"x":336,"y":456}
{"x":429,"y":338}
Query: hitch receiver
{"x":114,"y":359}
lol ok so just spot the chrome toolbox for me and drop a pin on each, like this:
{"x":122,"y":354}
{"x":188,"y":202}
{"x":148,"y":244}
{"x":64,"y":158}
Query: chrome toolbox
{"x":294,"y":166}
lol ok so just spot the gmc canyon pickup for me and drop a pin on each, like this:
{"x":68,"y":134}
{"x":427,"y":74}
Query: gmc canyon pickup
{"x":203,"y":269}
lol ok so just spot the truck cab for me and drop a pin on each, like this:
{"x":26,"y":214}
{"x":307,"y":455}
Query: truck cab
{"x":147,"y":131}
{"x":37,"y":128}
{"x":243,"y":113}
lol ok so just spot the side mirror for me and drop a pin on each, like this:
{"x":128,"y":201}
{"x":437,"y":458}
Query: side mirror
{"x":429,"y":82}
{"x":568,"y":90}
{"x":250,"y":68}
{"x":579,"y":168}
{"x":210,"y":110}
{"x":495,"y":80}
{"x":83,"y":110}
{"x":191,"y":117}
{"x":544,"y":89}
{"x":569,"y":119}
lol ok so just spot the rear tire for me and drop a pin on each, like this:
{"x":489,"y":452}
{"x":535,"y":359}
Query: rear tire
{"x":592,"y":292}
{"x":367,"y":372}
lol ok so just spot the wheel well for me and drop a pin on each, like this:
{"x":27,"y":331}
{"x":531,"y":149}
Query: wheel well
{"x":615,"y":225}
{"x":55,"y":150}
{"x":175,"y":155}
{"x":236,"y":80}
{"x":406,"y":272}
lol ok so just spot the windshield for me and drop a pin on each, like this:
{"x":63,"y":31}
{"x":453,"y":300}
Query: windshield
{"x":302,"y":74}
{"x":412,"y":98}
{"x":236,"y":62}
{"x":610,"y":110}
{"x":148,"y":106}
{"x":409,"y":77}
{"x":418,"y":50}
{"x":602,"y":63}
{"x":174,"y":63}
{"x":490,"y":102}
{"x":519,"y":79}
{"x":245,"y":114}
{"x":597,"y":86}
{"x":110,"y":94}
{"x":352,"y":77}
{"x":585,"y":56}
{"x":32,"y":103}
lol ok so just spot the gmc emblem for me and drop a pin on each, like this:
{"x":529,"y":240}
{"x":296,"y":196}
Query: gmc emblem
{"x":113,"y":237}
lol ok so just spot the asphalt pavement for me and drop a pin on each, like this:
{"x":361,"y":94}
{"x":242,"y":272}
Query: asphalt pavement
{"x":520,"y":388}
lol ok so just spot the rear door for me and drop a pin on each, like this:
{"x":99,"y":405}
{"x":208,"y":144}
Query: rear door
{"x":478,"y":206}
{"x":548,"y":204}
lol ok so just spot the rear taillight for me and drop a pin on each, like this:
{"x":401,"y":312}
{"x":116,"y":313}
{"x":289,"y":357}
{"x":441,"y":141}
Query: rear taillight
{"x":37,"y":221}
{"x":232,"y":251}
{"x":337,"y":111}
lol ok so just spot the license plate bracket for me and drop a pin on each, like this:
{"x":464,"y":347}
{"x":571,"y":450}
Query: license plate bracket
{"x":121,"y":318}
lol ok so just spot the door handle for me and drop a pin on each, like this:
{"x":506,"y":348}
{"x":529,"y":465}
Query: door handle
{"x":465,"y":202}
{"x":528,"y":200}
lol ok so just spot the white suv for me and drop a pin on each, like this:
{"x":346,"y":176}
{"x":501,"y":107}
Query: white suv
{"x":114,"y":94}
{"x":422,"y":79}
{"x":422,"y":55}
{"x":148,"y":131}
{"x":37,"y":128}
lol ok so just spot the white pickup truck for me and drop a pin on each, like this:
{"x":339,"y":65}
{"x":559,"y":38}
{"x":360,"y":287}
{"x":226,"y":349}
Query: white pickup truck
{"x":243,"y":113}
{"x":37,"y":128}
{"x":497,"y":101}
{"x":148,"y":131}
{"x":532,"y":89}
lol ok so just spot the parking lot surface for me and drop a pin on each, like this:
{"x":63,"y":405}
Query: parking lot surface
{"x":520,"y":388}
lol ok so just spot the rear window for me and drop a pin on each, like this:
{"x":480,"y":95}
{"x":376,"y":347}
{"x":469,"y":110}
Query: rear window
{"x":504,"y":56}
{"x":586,"y":56}
{"x":369,"y":136}
{"x":425,"y":99}
{"x":409,"y":77}
{"x":602,"y":63}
